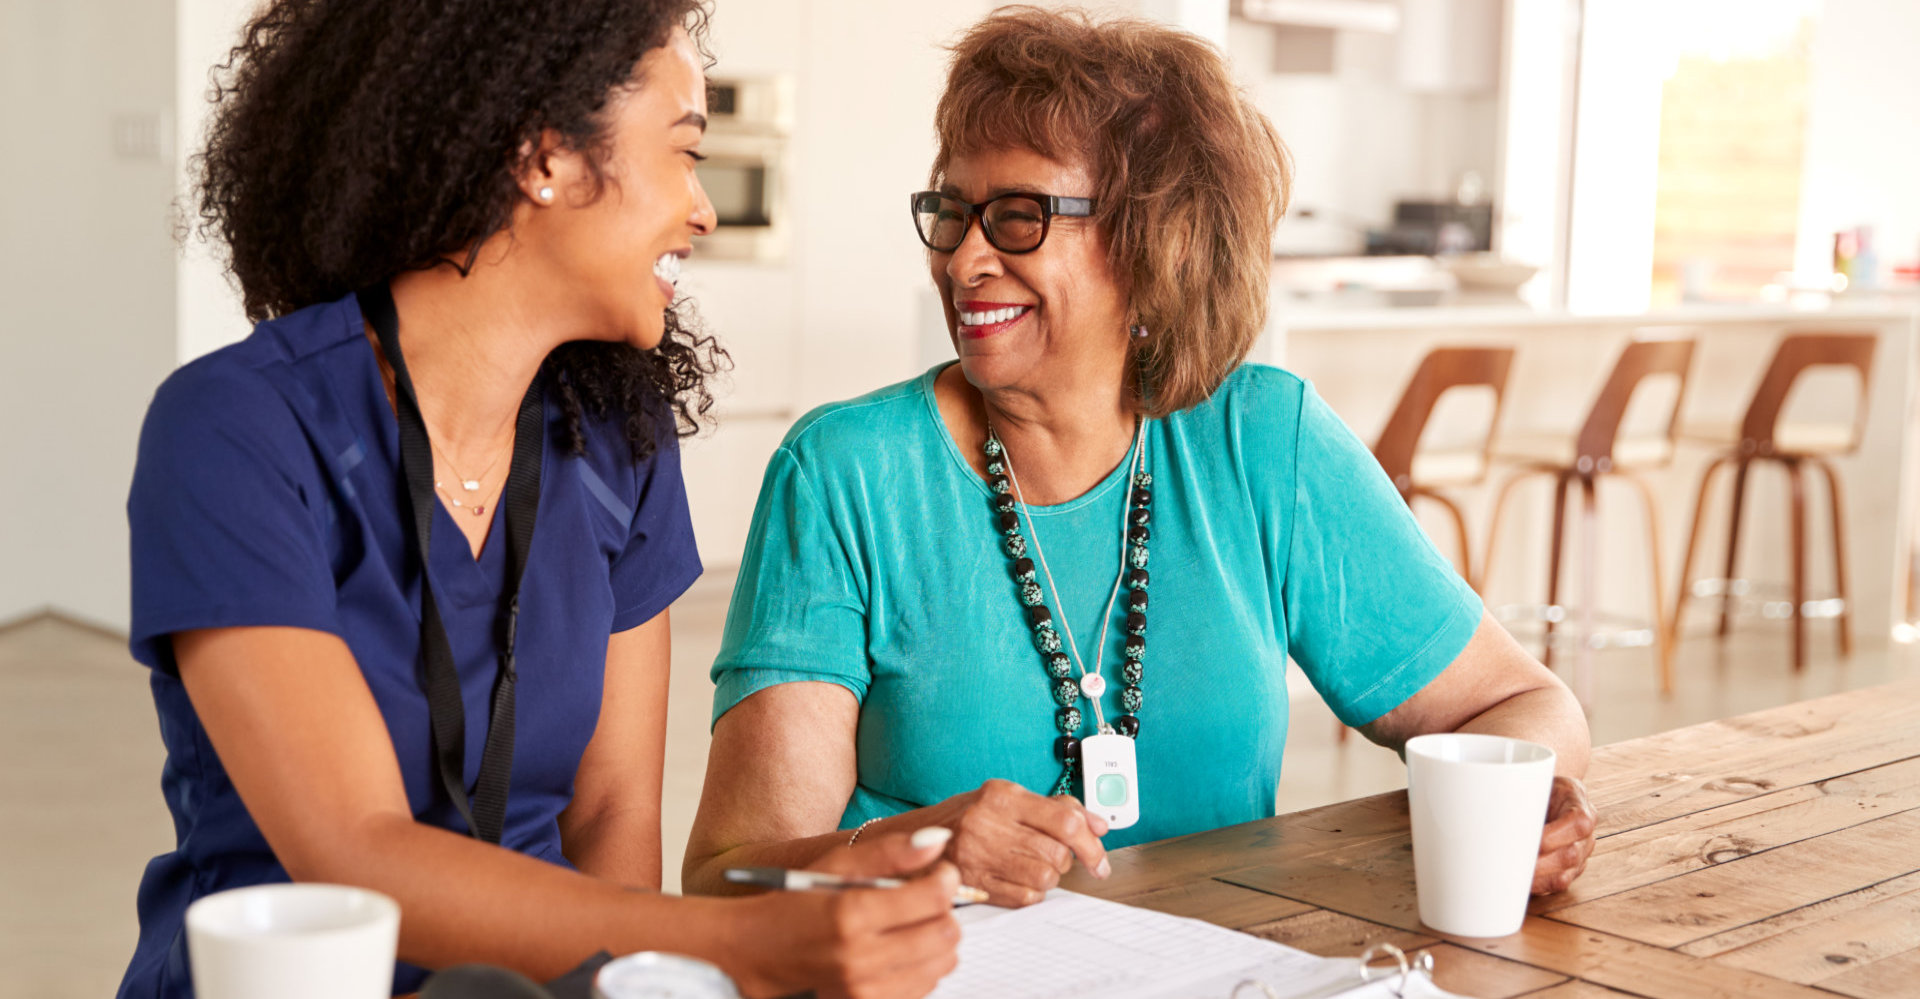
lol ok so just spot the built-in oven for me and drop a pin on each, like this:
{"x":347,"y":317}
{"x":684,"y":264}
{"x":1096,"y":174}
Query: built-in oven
{"x":748,"y":148}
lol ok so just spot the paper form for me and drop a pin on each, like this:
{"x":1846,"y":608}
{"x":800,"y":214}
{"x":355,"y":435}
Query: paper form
{"x":1073,"y":946}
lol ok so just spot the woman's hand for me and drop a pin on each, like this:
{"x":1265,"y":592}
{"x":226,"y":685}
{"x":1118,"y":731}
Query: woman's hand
{"x":1014,"y":844}
{"x":880,"y":943}
{"x":1494,"y":687}
{"x":782,"y":767}
{"x":1567,"y":841}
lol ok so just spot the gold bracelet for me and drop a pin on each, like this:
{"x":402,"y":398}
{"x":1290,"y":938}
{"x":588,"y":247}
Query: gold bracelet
{"x":862,"y":827}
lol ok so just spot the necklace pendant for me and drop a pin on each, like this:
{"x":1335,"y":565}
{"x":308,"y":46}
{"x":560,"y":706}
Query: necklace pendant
{"x":479,"y":508}
{"x":471,"y":485}
{"x":1093,"y":685}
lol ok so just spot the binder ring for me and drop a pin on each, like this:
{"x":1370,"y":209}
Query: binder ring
{"x":1369,"y":971}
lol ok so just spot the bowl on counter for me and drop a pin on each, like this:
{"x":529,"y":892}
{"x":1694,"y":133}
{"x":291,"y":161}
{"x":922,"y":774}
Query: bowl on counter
{"x":1484,"y":272}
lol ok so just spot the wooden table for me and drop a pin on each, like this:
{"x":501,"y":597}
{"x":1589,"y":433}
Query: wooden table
{"x":1772,"y":854}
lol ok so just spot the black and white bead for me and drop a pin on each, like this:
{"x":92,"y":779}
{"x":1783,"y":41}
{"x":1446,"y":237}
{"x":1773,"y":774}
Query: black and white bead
{"x":1066,"y":692}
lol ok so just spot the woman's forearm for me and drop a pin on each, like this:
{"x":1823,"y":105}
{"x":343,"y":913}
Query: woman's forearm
{"x":1548,"y":715}
{"x":706,"y":875}
{"x":466,"y":901}
{"x":779,"y":773}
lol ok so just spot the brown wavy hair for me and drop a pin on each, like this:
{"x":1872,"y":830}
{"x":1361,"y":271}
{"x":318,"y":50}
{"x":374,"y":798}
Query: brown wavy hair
{"x":352,"y":140}
{"x":1189,"y":179}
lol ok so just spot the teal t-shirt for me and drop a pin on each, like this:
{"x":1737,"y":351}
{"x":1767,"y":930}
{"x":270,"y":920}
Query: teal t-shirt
{"x":875,"y":563}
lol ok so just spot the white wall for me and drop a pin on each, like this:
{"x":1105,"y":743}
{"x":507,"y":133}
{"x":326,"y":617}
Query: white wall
{"x":1863,"y":147}
{"x":86,"y":270}
{"x":207,"y":306}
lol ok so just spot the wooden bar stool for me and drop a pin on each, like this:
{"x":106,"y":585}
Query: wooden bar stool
{"x":1422,"y":473}
{"x":1763,"y":437}
{"x":1599,"y":451}
{"x":1419,"y":473}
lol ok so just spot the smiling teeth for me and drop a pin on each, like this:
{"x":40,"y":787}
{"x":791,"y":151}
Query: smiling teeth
{"x":993,"y":316}
{"x":667,"y":268}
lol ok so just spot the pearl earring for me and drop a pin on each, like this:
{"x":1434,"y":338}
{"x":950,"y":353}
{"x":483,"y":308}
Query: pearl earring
{"x":546,"y":194}
{"x":1138,"y":332}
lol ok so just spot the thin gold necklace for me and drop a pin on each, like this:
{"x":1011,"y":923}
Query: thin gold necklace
{"x":469,"y":485}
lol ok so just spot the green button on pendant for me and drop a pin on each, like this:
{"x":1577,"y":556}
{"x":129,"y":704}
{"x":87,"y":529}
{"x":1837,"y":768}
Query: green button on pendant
{"x":1110,"y":789}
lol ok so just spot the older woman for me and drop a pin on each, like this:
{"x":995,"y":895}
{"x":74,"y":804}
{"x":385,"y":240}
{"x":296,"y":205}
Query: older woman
{"x":1098,"y":521}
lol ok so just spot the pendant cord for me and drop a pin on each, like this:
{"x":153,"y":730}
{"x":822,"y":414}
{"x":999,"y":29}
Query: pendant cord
{"x":1135,"y":462}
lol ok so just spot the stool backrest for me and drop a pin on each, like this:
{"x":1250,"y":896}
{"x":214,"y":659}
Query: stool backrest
{"x":1642,"y":359}
{"x":1443,"y":369}
{"x":1797,"y":353}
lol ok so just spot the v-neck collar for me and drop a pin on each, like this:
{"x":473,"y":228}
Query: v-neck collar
{"x":1091,"y":496}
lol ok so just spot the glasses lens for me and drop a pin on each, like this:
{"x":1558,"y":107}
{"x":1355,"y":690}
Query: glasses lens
{"x":1016,"y":224}
{"x":942,"y":221}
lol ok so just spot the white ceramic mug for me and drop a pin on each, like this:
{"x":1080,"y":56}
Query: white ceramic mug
{"x":293,"y":941}
{"x":1478,"y":804}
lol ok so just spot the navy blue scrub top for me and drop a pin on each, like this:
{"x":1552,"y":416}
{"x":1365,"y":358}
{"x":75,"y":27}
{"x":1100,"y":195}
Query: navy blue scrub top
{"x":268,"y":492}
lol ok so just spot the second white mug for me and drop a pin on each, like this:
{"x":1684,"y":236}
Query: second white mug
{"x":1478,"y":805}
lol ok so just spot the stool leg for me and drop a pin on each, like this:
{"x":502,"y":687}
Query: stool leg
{"x":1733,"y":544}
{"x":1561,"y":483}
{"x":1663,"y":636}
{"x":1589,"y":587}
{"x":1839,"y":556}
{"x":1459,"y":529}
{"x":1693,"y":544}
{"x":1493,"y":527}
{"x":1797,"y":487}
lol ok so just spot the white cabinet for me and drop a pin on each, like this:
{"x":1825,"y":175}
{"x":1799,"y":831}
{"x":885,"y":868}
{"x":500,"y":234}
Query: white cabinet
{"x":1450,"y":46}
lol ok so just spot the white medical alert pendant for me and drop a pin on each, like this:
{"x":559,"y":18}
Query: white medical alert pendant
{"x":1093,"y":685}
{"x":1110,"y":781}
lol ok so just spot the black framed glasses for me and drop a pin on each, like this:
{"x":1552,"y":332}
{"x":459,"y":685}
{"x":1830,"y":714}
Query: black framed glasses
{"x":1015,"y":222}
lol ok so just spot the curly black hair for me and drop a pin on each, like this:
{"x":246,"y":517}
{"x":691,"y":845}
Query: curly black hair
{"x":353,"y":140}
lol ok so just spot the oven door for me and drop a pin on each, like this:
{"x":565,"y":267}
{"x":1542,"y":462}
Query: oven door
{"x":744,"y":177}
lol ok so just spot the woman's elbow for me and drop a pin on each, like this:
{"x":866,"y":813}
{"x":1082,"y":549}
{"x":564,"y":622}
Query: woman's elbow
{"x":341,"y":853}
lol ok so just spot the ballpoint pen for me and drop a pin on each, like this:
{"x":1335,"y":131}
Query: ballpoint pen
{"x":781,"y":879}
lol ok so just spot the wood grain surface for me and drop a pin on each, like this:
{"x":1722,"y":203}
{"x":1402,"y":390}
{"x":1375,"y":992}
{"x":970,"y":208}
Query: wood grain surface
{"x":1776,"y":854}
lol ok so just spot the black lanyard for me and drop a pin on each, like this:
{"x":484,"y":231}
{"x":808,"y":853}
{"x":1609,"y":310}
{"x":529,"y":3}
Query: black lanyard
{"x":488,"y":809}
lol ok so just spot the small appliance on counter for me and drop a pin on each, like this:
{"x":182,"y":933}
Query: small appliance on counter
{"x":1434,"y":228}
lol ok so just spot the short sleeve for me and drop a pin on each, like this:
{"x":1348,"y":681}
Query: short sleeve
{"x":797,"y":613}
{"x":660,"y":559}
{"x":226,"y":515}
{"x":1373,"y":611}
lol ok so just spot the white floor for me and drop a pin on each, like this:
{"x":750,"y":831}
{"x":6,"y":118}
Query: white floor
{"x":80,"y":806}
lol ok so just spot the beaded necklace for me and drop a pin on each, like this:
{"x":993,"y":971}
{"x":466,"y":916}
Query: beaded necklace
{"x":1134,"y":535}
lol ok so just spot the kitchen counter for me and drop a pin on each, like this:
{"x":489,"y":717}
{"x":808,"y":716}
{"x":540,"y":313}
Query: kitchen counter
{"x":1482,"y":313}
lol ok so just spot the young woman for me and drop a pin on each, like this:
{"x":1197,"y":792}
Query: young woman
{"x":402,"y":559}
